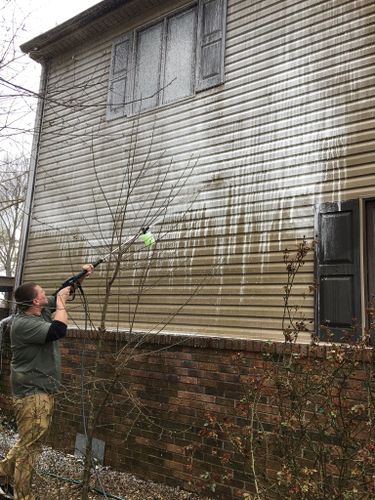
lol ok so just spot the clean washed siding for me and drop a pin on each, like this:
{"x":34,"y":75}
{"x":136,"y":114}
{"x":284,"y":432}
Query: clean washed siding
{"x":292,"y":126}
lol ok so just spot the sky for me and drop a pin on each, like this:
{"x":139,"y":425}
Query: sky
{"x":46,"y":14}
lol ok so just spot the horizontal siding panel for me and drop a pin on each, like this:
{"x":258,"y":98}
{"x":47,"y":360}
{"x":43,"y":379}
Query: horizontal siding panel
{"x":252,"y":88}
{"x":312,"y":119}
{"x":194,"y":278}
{"x":208,"y":267}
{"x":355,"y":143}
{"x":358,"y":143}
{"x":247,"y":300}
{"x":366,"y":93}
{"x":346,"y":70}
{"x":357,"y":159}
{"x":261,"y":328}
{"x":320,"y":19}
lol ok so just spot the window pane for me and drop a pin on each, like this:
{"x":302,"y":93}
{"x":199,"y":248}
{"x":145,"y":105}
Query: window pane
{"x":148,"y":68}
{"x":180,"y":56}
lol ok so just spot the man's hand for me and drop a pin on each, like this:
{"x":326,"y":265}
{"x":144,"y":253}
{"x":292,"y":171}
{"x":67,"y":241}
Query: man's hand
{"x":88,"y":268}
{"x":63,"y":294}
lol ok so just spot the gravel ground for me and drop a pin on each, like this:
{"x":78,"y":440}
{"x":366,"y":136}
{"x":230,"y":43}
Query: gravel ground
{"x":118,"y":485}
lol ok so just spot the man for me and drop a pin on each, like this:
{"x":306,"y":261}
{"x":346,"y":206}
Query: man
{"x":35,"y":378}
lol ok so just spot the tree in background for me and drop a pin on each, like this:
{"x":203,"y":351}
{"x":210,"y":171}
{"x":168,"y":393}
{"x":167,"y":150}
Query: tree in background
{"x":17,"y":105}
{"x":17,"y":109}
{"x":13,"y":180}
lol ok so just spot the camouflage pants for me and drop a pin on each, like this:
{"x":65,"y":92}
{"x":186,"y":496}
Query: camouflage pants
{"x":33,"y":416}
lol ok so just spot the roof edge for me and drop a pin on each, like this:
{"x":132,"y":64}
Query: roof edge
{"x":70,"y":26}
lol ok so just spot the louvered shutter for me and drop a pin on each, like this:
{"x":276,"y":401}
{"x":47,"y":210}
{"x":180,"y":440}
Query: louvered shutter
{"x":120,"y":80}
{"x":338,"y":308}
{"x":210,"y":43}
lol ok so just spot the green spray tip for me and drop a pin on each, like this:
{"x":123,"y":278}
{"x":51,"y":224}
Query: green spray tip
{"x":147,"y":237}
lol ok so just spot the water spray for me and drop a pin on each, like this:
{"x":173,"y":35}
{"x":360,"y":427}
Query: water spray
{"x":145,"y":235}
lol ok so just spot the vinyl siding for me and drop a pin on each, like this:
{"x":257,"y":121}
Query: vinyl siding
{"x":291,"y":126}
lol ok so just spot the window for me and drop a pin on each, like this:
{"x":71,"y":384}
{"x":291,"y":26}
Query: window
{"x":171,"y":59}
{"x":343,"y":289}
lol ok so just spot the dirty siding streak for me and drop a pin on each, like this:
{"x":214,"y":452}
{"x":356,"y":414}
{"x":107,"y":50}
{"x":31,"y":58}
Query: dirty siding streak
{"x":292,"y":126}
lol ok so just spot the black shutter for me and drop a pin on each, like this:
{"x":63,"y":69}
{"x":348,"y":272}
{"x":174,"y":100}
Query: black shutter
{"x":120,"y":78}
{"x":210,"y":43}
{"x":338,"y":304}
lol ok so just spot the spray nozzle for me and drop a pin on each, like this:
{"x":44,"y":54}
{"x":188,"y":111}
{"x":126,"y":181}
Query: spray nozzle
{"x":147,"y":237}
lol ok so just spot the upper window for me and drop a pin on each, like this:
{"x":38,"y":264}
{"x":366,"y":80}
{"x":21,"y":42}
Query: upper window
{"x":161,"y":63}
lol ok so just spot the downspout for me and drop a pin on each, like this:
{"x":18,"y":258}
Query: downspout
{"x":32,"y":174}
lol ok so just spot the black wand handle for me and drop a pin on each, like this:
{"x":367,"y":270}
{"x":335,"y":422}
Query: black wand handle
{"x":73,"y":279}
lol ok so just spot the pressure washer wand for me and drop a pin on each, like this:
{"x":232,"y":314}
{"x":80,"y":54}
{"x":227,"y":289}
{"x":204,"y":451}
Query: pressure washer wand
{"x":74,"y":279}
{"x":147,"y":238}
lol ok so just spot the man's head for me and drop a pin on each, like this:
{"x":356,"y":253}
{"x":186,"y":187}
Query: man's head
{"x":30,"y":295}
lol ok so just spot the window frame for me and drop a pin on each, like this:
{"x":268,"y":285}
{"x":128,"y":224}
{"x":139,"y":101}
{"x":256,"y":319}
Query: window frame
{"x":164,"y":20}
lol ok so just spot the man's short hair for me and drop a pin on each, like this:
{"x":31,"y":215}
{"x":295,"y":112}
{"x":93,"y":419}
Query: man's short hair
{"x":25,"y":294}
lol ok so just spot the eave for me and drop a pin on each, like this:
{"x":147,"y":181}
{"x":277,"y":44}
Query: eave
{"x":85,"y":26}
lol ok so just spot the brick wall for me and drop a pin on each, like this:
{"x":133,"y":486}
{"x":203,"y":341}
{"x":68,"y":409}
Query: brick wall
{"x":153,"y":419}
{"x":172,"y":381}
